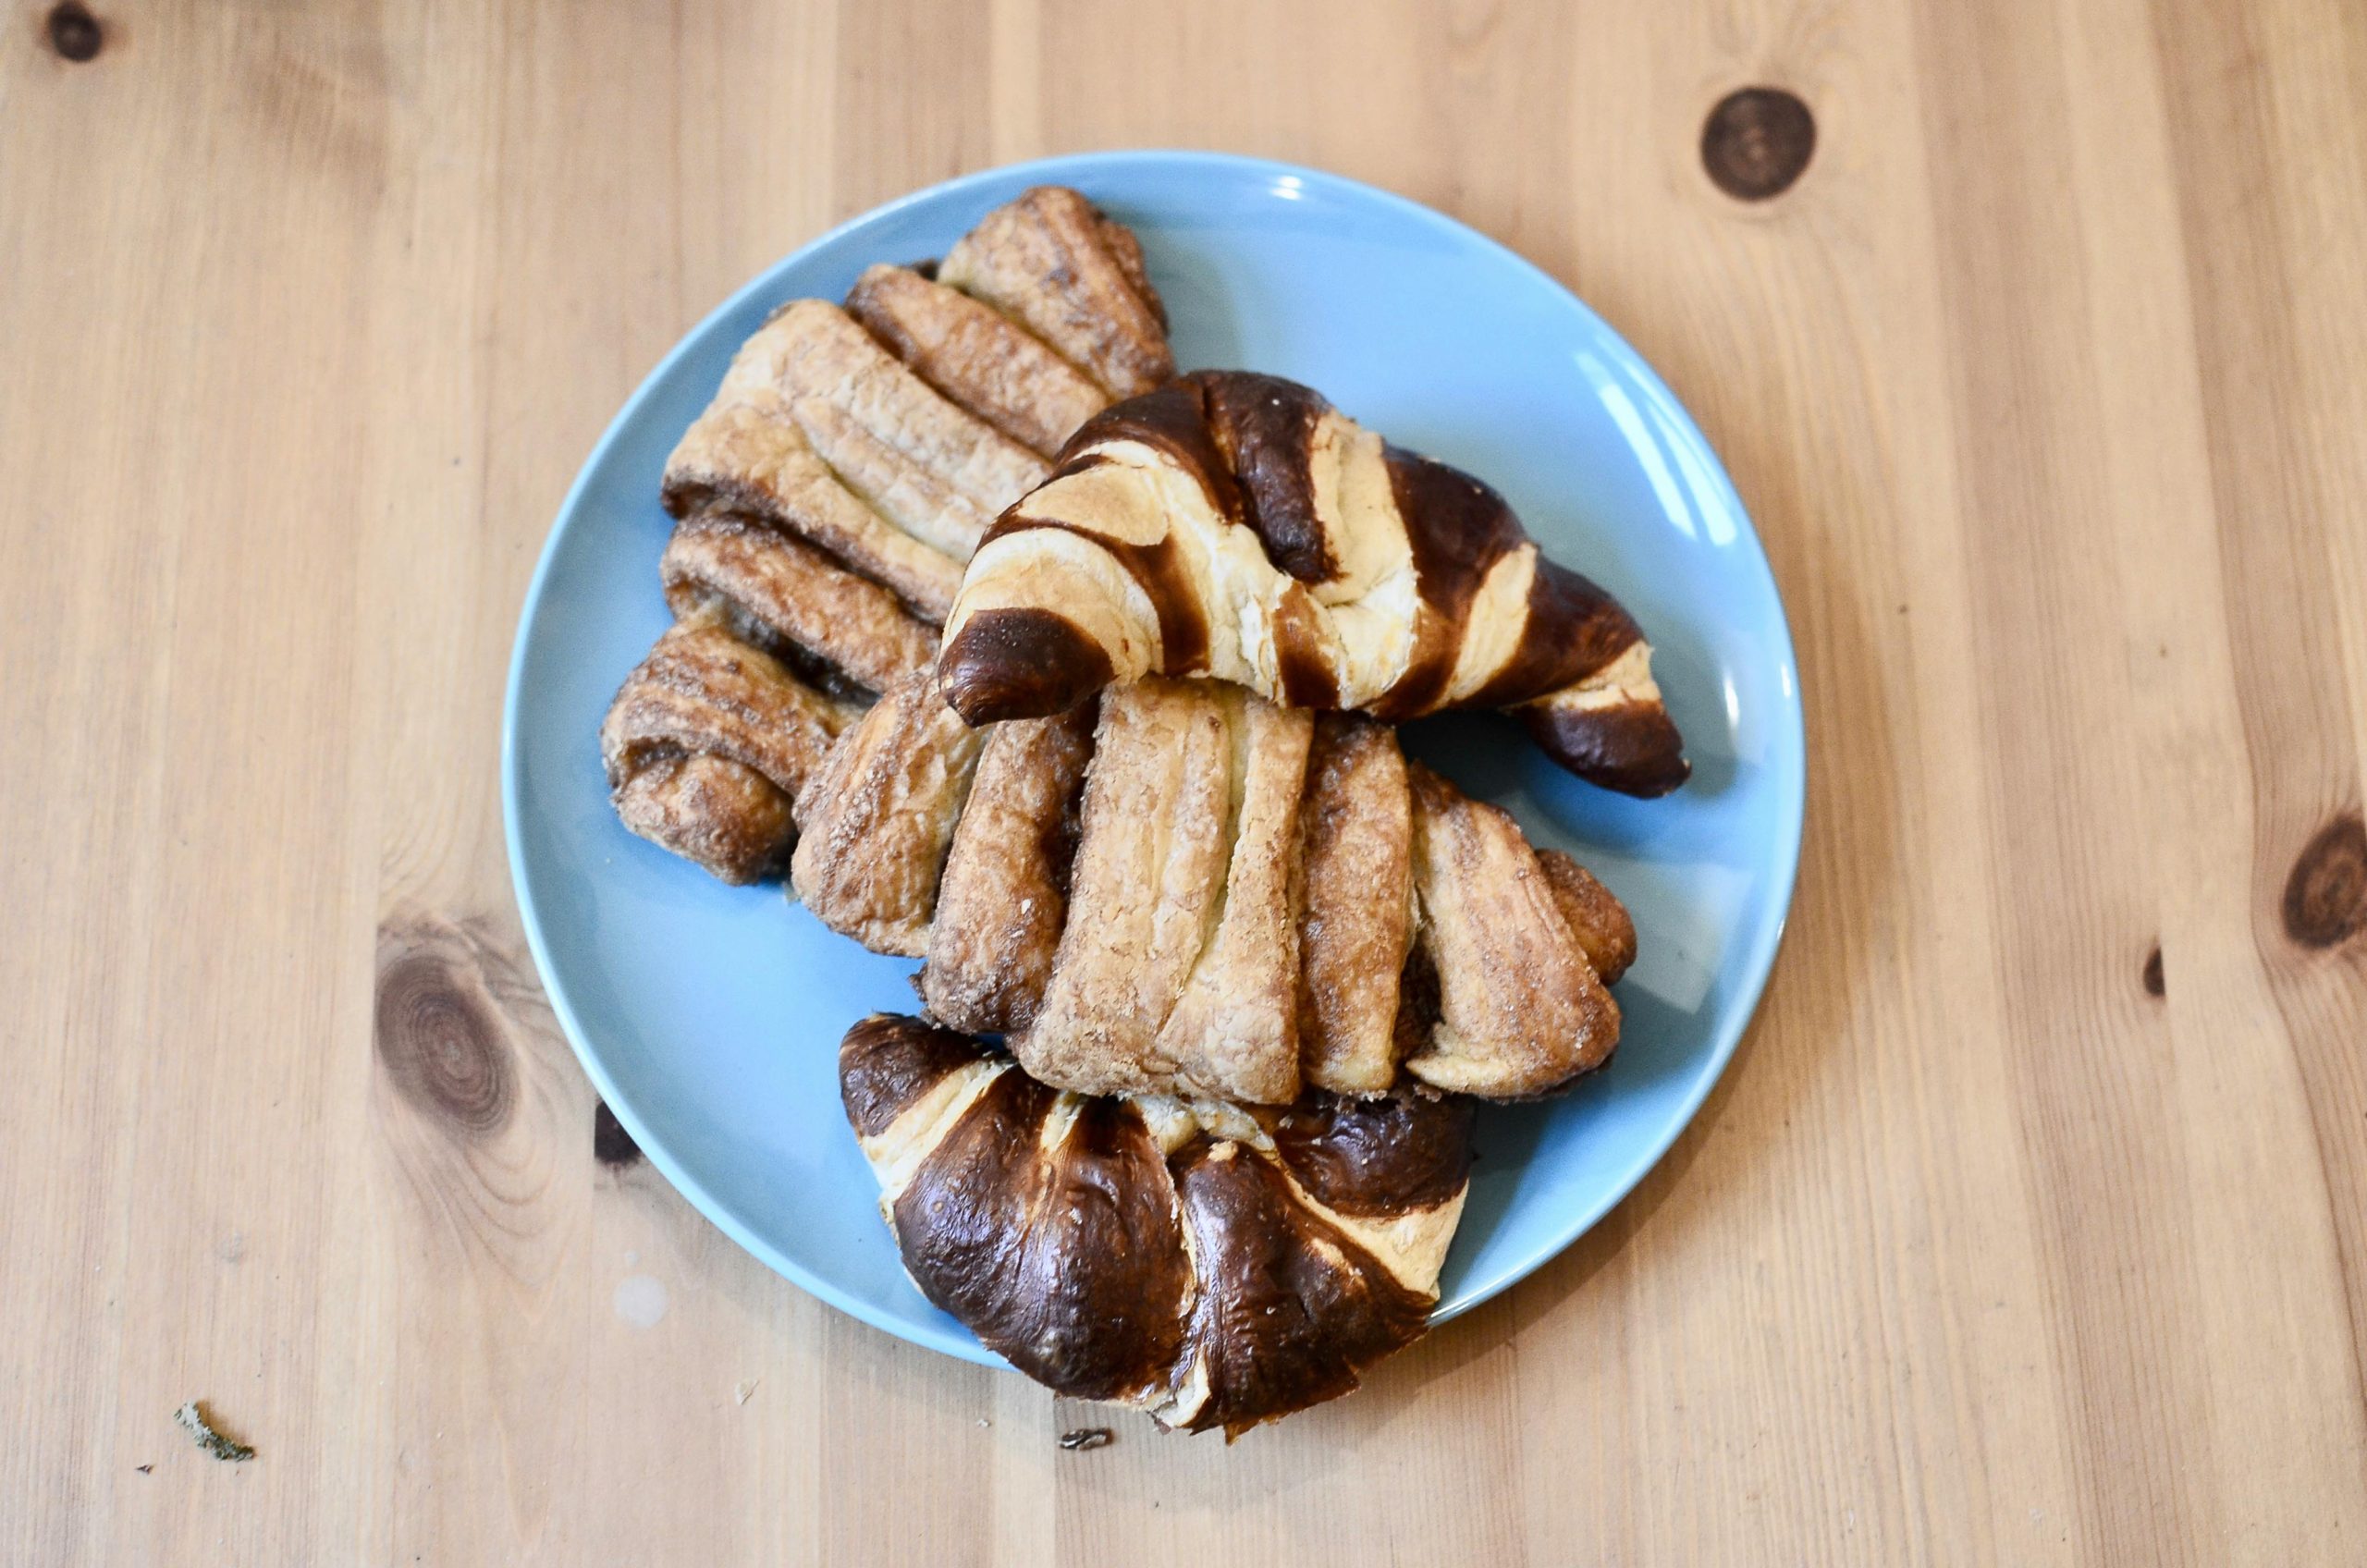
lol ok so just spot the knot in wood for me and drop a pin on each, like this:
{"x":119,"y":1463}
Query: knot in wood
{"x":2325,"y":898}
{"x":74,"y":32}
{"x":1757,"y":141}
{"x":442,"y":1044}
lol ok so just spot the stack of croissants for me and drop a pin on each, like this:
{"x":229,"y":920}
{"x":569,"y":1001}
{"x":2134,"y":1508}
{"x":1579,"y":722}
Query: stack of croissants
{"x":1022,"y":655}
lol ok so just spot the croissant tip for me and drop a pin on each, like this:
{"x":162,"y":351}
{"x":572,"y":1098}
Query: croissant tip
{"x":1006,"y":664}
{"x":1635,"y":750}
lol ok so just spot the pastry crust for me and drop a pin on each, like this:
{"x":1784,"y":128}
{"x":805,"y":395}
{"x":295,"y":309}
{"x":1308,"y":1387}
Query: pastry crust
{"x":720,"y":814}
{"x":1004,"y":897}
{"x":928,"y":467}
{"x":1356,"y":919}
{"x":1204,"y":895}
{"x":1238,"y":526}
{"x":1605,"y":931}
{"x":1218,"y":1269}
{"x":792,"y":601}
{"x":827,"y":497}
{"x":1178,"y":971}
{"x":1149,"y":871}
{"x":977,"y":357}
{"x":748,"y":455}
{"x":1520,"y":1010}
{"x":1232,"y":1032}
{"x":707,"y":742}
{"x":1612,"y":727}
{"x":877,"y":820}
{"x":1074,"y":278}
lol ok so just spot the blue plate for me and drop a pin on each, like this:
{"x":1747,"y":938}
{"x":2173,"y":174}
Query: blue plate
{"x":710,"y":1016}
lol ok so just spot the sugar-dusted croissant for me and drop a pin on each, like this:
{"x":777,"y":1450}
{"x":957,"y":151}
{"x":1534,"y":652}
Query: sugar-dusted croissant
{"x":1238,"y":526}
{"x":1205,"y":894}
{"x":829,"y":496}
{"x":1178,"y":970}
{"x":877,"y":819}
{"x":1073,"y":276}
{"x":841,"y":633}
{"x":707,"y":745}
{"x":1004,"y":896}
{"x":1216,"y":1267}
{"x":976,"y":356}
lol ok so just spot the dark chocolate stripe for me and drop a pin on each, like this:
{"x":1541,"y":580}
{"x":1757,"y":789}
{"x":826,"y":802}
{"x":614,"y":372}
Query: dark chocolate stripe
{"x":1183,"y":621}
{"x":1069,"y":1265}
{"x":888,"y":1060}
{"x":1369,"y":1158}
{"x":1157,"y":570}
{"x":1307,"y":679}
{"x":1266,"y":428}
{"x":1290,"y":1309}
{"x":1632,"y":747}
{"x":1575,"y":629}
{"x":1173,"y":421}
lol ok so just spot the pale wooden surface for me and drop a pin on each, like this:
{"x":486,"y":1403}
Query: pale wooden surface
{"x":2045,"y":383}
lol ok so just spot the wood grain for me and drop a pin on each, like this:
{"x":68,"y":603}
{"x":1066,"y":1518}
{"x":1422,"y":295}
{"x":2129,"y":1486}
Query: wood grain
{"x":2030,"y":1224}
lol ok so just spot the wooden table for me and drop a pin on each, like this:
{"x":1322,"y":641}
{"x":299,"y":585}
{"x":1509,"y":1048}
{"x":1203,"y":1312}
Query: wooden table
{"x":2031,"y":1223}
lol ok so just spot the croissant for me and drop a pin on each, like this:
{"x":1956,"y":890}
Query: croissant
{"x":1216,"y":1267}
{"x":708,"y":743}
{"x":1075,"y":278}
{"x":1238,"y":526}
{"x":877,"y":819}
{"x":829,"y":496}
{"x":1002,"y":899}
{"x":1201,"y":893}
{"x":841,"y":633}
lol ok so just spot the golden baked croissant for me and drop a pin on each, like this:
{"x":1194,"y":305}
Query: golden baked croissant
{"x":1238,"y":526}
{"x":820,"y":430}
{"x":1216,"y":1267}
{"x":1075,"y":279}
{"x":841,"y":633}
{"x":878,"y":817}
{"x":1206,"y":894}
{"x":829,"y":494}
{"x":709,"y":742}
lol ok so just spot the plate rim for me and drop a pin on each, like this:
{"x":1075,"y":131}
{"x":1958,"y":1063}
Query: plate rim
{"x":1061,"y":169}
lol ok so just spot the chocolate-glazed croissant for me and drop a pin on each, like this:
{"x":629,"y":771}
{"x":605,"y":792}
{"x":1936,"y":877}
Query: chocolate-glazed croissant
{"x":1217,"y":1267}
{"x":1238,"y":526}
